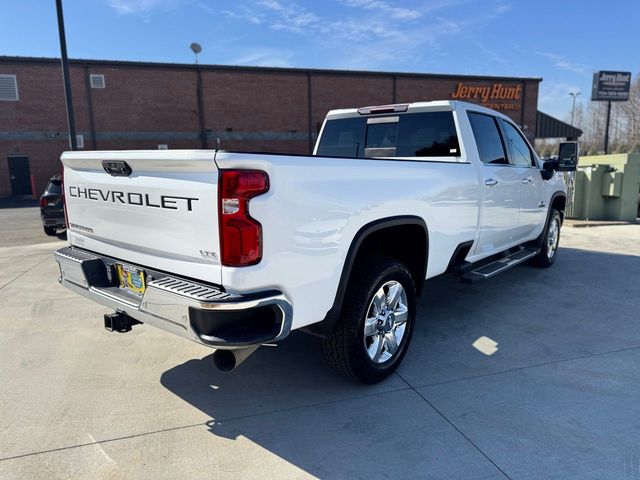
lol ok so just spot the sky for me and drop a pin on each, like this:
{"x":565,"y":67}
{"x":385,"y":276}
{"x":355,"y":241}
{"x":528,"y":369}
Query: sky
{"x":561,"y":41}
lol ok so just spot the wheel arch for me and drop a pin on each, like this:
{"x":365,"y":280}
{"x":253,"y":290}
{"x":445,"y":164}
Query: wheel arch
{"x":379,"y":234}
{"x":558,"y":201}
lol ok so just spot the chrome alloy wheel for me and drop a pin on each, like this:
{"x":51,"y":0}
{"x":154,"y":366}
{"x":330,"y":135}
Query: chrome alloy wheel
{"x":553,"y":237}
{"x":386,"y":322}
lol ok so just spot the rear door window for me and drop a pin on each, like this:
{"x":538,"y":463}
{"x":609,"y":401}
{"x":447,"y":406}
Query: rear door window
{"x":488,"y":139}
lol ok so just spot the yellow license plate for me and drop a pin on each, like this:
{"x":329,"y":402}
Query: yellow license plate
{"x":131,"y":279}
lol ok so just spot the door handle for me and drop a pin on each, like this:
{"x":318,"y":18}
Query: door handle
{"x":527,"y":180}
{"x":490,"y":182}
{"x":13,"y":177}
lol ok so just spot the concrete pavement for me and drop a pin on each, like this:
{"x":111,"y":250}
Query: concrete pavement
{"x":558,"y":399}
{"x":20,"y":223}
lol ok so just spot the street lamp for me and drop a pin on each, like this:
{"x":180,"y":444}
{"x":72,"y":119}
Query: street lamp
{"x":196,"y":48}
{"x":65,"y":78}
{"x":573,"y":108}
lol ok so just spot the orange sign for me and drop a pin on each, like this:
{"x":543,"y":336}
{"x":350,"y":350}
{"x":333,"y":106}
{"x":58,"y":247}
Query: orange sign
{"x":489,"y":94}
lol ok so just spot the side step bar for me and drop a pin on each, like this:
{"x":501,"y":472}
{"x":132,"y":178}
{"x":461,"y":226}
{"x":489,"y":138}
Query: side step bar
{"x":498,"y":266}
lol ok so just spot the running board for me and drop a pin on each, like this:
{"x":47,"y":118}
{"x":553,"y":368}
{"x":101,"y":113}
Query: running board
{"x":498,"y":266}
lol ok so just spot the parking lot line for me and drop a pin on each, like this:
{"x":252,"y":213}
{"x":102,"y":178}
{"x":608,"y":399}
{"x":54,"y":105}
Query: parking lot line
{"x":24,"y":272}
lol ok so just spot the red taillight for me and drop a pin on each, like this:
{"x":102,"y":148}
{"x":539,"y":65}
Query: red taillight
{"x":43,"y":202}
{"x":240,"y":235}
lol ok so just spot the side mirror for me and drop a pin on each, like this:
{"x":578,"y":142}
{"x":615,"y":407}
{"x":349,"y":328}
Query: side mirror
{"x":548,"y":168}
{"x":568,"y":157}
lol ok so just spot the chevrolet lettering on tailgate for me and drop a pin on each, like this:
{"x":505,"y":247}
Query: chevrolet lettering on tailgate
{"x":170,"y":202}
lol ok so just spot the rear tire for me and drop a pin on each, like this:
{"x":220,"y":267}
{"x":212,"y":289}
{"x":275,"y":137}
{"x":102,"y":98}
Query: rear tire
{"x":51,"y":231}
{"x":549,"y":249}
{"x":377,"y":321}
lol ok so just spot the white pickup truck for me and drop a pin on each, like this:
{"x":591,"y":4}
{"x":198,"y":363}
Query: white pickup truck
{"x":236,"y":250}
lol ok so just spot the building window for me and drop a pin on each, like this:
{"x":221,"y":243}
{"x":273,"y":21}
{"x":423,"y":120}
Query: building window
{"x":97,"y":80}
{"x":8,"y":88}
{"x":80,"y":141}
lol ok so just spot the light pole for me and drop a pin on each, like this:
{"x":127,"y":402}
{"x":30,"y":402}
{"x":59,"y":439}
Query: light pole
{"x":65,"y":78}
{"x":573,"y":108}
{"x":196,"y":49}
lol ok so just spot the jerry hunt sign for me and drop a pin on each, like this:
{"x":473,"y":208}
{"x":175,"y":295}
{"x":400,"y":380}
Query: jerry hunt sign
{"x":611,"y":86}
{"x":491,"y":96}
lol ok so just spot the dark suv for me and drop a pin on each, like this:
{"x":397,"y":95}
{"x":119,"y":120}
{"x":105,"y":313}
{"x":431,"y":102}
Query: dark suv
{"x":52,"y":206}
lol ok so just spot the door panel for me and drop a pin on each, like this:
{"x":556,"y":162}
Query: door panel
{"x":501,"y":182}
{"x":499,"y":224}
{"x":20,"y":175}
{"x":532,"y":211}
{"x":533,"y":208}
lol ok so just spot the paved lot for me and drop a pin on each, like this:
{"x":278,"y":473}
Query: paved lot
{"x":20,"y":223}
{"x":560,"y":398}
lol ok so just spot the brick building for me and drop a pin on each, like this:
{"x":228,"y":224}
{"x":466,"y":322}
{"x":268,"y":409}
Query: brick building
{"x":136,"y":105}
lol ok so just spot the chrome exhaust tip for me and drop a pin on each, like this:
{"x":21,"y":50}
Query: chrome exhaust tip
{"x":227,"y":360}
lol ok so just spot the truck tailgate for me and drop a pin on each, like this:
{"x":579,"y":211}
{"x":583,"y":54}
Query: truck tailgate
{"x":162,"y":215}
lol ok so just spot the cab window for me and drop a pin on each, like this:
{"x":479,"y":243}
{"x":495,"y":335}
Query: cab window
{"x":420,"y":134}
{"x":382,"y":137}
{"x":428,"y":134}
{"x":488,"y":139}
{"x":520,"y":153}
{"x":343,"y":137}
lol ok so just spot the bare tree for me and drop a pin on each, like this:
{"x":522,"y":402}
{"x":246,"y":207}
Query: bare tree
{"x":624,"y":129}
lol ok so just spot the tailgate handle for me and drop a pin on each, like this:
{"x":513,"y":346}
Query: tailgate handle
{"x":116,"y":169}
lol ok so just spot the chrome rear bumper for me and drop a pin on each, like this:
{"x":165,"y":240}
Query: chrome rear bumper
{"x":202,"y":313}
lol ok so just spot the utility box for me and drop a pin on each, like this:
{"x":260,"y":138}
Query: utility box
{"x":607,"y":187}
{"x":612,"y":184}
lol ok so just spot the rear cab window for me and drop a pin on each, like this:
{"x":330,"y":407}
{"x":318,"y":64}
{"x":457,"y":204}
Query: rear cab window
{"x":343,"y":137}
{"x":408,"y":135}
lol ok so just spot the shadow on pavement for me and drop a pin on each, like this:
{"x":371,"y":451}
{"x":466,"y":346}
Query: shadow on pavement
{"x":587,"y":303}
{"x":18,"y":202}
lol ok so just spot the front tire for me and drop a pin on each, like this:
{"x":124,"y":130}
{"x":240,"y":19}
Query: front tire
{"x":51,"y":231}
{"x":377,"y":321}
{"x":549,"y":250}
